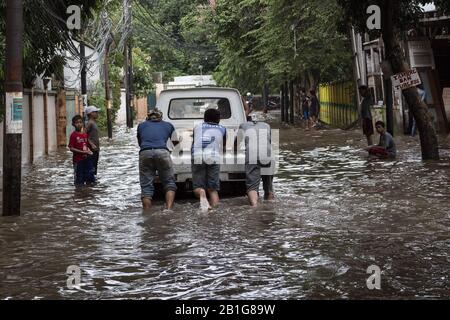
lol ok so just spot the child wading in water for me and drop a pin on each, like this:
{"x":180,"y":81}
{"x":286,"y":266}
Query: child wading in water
{"x":82,"y":155}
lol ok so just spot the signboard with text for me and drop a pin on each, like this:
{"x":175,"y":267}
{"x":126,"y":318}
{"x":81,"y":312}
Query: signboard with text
{"x":14,"y":106}
{"x":406,"y":80}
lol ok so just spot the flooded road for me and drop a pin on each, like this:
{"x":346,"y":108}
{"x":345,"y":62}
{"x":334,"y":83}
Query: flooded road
{"x":336,"y":214}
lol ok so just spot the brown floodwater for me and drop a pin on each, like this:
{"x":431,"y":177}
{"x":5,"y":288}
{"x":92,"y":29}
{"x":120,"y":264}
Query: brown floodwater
{"x":337,"y":212}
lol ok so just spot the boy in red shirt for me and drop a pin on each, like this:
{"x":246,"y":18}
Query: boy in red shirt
{"x":82,"y":160}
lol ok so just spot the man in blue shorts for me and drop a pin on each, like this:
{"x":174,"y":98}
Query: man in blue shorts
{"x":209,"y":140}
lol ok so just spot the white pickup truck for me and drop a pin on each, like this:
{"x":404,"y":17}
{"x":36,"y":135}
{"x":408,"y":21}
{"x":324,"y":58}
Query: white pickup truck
{"x":185,"y":108}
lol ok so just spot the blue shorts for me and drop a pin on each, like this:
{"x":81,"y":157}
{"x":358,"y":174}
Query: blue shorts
{"x":306,"y":115}
{"x":84,"y":172}
{"x":206,"y":176}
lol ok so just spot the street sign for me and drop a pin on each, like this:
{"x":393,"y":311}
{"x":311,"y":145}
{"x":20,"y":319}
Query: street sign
{"x":406,"y":80}
{"x":14,"y":106}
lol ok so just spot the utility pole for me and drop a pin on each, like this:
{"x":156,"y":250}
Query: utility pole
{"x":83,"y":76}
{"x":282,"y":103}
{"x":266,"y":95}
{"x":292,"y":101}
{"x":12,"y":145}
{"x":108,"y":96}
{"x":131,"y":82}
{"x":126,"y":81}
{"x":128,"y":64}
{"x":286,"y":102}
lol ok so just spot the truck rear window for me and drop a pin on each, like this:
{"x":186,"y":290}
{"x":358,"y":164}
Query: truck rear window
{"x":194,"y":108}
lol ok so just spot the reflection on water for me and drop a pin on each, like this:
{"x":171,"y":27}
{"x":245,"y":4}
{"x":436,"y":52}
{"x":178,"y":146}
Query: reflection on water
{"x":336,"y":214}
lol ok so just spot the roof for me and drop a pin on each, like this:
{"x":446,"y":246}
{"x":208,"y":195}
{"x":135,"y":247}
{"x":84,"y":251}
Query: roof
{"x":206,"y":88}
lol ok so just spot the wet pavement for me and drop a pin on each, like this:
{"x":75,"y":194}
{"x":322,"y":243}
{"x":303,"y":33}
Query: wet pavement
{"x":336,"y":213}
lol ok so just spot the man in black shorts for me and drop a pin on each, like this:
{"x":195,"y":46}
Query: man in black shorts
{"x":259,"y":164}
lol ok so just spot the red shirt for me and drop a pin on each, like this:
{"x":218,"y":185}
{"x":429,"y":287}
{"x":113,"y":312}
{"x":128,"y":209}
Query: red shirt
{"x":78,"y":141}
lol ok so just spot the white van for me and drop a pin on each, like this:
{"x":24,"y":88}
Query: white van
{"x":185,"y":108}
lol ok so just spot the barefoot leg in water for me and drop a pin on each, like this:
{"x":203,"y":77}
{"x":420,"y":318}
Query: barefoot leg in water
{"x":214,"y":198}
{"x":204,"y":204}
{"x":146,"y":203}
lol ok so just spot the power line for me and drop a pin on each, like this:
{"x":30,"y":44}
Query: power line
{"x":150,"y":20}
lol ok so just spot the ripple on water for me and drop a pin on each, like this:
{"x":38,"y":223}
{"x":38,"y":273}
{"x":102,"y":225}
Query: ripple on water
{"x":336,"y":213}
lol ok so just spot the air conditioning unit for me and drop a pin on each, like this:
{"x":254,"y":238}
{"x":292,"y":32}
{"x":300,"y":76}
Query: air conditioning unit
{"x":421,"y":54}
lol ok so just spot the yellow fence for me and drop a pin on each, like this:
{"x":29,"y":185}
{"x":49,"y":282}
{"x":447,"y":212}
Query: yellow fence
{"x":338,"y":106}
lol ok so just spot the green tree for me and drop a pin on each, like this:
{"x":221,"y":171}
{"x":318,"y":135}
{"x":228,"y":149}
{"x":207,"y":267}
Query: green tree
{"x":278,"y":40}
{"x":142,"y":73}
{"x":46,"y":34}
{"x":235,"y":23}
{"x":176,"y":34}
{"x":299,"y":39}
{"x":45,"y":37}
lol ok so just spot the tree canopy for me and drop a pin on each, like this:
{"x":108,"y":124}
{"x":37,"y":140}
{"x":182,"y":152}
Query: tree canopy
{"x":46,"y":35}
{"x":176,"y":34}
{"x":275,"y":40}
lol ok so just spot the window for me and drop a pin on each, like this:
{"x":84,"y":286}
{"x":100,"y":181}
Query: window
{"x":194,"y":108}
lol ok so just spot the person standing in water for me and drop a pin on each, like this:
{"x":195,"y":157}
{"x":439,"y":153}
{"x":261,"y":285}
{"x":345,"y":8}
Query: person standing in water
{"x":93,"y":135}
{"x":209,"y":144}
{"x":366,"y":114}
{"x":154,"y":157}
{"x":82,"y":155}
{"x":258,"y":159}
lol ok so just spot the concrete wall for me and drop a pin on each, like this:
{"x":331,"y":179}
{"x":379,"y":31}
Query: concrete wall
{"x":122,"y":114}
{"x":26,"y":130}
{"x":38,"y":129}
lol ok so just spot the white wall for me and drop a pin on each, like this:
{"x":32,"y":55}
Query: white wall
{"x":122,"y":113}
{"x":38,"y":127}
{"x":26,"y":130}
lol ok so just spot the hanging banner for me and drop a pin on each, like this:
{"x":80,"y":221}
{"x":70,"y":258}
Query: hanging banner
{"x":14,"y":112}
